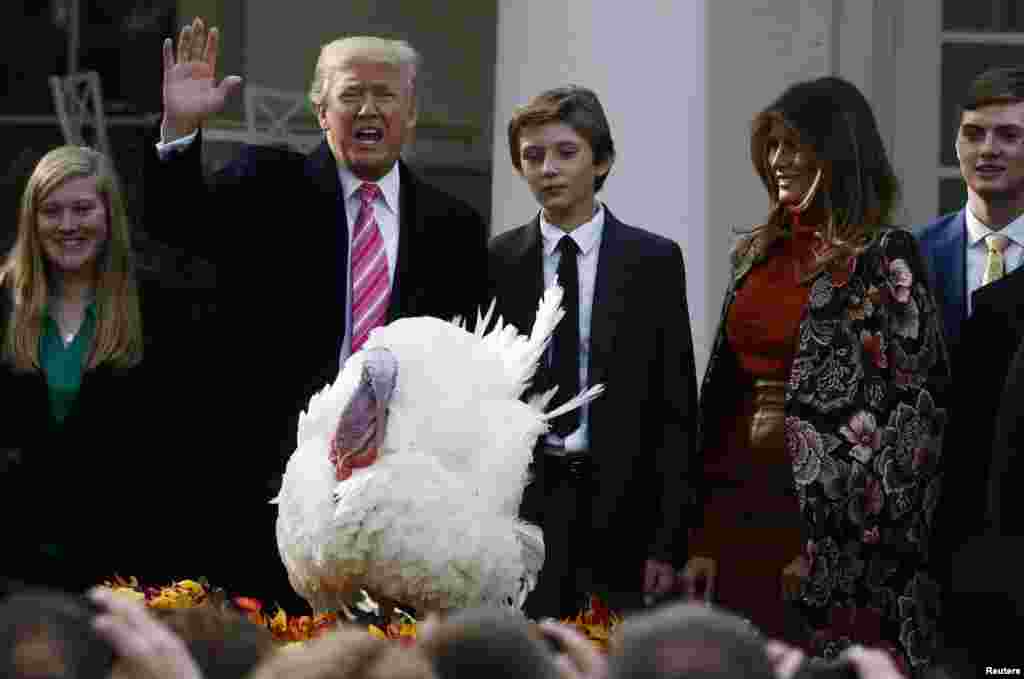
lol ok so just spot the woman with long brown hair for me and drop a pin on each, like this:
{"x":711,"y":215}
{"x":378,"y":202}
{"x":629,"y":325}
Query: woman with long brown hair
{"x":84,"y":390}
{"x":819,"y":429}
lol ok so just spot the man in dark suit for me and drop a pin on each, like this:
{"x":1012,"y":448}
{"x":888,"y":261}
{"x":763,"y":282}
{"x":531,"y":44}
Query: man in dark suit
{"x":1005,"y":510}
{"x":312,"y":252}
{"x":612,"y":482}
{"x":973,"y":555}
{"x":969,"y":248}
{"x":1004,"y":594}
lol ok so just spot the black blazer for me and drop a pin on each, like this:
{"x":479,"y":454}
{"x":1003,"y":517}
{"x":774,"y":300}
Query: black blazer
{"x":642,"y":429}
{"x":116,"y":474}
{"x":982,"y":534}
{"x":1005,"y":510}
{"x":990,"y":338}
{"x":274,"y":225}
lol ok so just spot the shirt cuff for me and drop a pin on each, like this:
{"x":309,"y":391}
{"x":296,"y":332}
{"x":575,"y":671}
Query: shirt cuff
{"x":165,"y":149}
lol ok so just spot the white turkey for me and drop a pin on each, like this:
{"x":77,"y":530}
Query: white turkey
{"x":410,"y":468}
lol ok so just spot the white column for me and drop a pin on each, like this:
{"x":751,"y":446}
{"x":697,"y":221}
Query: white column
{"x":890,"y":50}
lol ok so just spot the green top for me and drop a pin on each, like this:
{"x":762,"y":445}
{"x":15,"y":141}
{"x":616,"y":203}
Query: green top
{"x":63,"y":364}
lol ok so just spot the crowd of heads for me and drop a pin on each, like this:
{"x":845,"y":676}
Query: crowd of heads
{"x":50,"y":634}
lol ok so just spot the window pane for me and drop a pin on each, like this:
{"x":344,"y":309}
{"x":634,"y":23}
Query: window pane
{"x":25,"y":69}
{"x":961,"y":63}
{"x":1015,"y":16}
{"x":952,"y":195}
{"x":121,"y":40}
{"x":998,"y":16}
{"x":958,"y":15}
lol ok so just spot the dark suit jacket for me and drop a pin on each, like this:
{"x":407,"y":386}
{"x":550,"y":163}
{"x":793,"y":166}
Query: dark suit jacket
{"x":113,"y":482}
{"x":981,"y":533}
{"x":1005,"y":509}
{"x":944,"y":246}
{"x":642,"y":428}
{"x":273,"y":224}
{"x":988,"y":341}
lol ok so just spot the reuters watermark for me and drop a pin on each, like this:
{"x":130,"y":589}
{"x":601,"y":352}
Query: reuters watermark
{"x":989,"y":671}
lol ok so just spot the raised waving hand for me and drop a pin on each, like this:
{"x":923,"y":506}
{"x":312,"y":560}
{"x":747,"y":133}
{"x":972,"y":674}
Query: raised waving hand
{"x":191,"y":93}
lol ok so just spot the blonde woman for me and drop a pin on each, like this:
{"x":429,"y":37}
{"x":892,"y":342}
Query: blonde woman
{"x":81,"y":391}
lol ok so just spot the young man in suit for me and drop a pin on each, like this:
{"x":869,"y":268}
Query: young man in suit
{"x":612,"y":487}
{"x":974,"y":257}
{"x":312,"y":252}
{"x":985,"y":240}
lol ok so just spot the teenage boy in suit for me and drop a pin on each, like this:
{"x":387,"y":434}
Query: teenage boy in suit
{"x":612,"y":486}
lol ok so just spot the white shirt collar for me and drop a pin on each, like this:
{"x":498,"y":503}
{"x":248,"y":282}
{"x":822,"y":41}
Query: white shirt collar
{"x":976,"y":230}
{"x":586,"y":235}
{"x":388,"y":185}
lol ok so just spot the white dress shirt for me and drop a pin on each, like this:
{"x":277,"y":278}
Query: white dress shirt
{"x":588,"y":238}
{"x":385,"y":209}
{"x":977,"y":250}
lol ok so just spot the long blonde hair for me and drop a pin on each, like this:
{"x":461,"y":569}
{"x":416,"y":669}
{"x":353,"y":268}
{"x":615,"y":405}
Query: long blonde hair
{"x":26,"y":276}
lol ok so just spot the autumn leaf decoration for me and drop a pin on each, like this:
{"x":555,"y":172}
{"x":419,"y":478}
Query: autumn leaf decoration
{"x":597,"y":623}
{"x":189,"y":593}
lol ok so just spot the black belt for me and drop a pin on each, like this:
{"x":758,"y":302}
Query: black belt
{"x":574,"y":466}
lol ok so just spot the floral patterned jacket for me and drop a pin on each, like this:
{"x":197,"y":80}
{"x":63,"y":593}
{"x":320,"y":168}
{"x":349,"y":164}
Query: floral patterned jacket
{"x":864,"y":436}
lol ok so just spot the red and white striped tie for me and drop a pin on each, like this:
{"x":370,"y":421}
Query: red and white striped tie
{"x":370,"y":284}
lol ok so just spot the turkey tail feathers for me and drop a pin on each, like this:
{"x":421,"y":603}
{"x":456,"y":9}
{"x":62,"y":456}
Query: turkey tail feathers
{"x":483,"y":322}
{"x":540,"y":401}
{"x":549,"y":313}
{"x":576,"y":401}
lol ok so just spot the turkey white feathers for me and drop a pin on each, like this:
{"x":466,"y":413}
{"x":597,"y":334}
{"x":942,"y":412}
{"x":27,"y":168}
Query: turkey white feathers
{"x":409,"y":469}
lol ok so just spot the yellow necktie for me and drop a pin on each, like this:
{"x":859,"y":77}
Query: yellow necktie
{"x":995,"y":266}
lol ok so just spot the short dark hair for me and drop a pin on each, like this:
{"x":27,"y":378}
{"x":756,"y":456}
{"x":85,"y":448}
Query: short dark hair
{"x":1002,"y":85}
{"x":688,"y":641}
{"x":50,"y":633}
{"x":577,"y":107}
{"x":488,"y":642}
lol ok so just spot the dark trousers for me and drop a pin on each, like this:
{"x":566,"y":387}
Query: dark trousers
{"x":243,"y":556}
{"x":559,"y":502}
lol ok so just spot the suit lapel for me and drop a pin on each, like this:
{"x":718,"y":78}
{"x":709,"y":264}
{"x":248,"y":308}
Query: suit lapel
{"x":328,"y":246}
{"x":410,"y":225}
{"x":1004,"y":297}
{"x":525,"y":284}
{"x":608,"y":297}
{"x":952,"y":256}
{"x":1013,"y":293}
